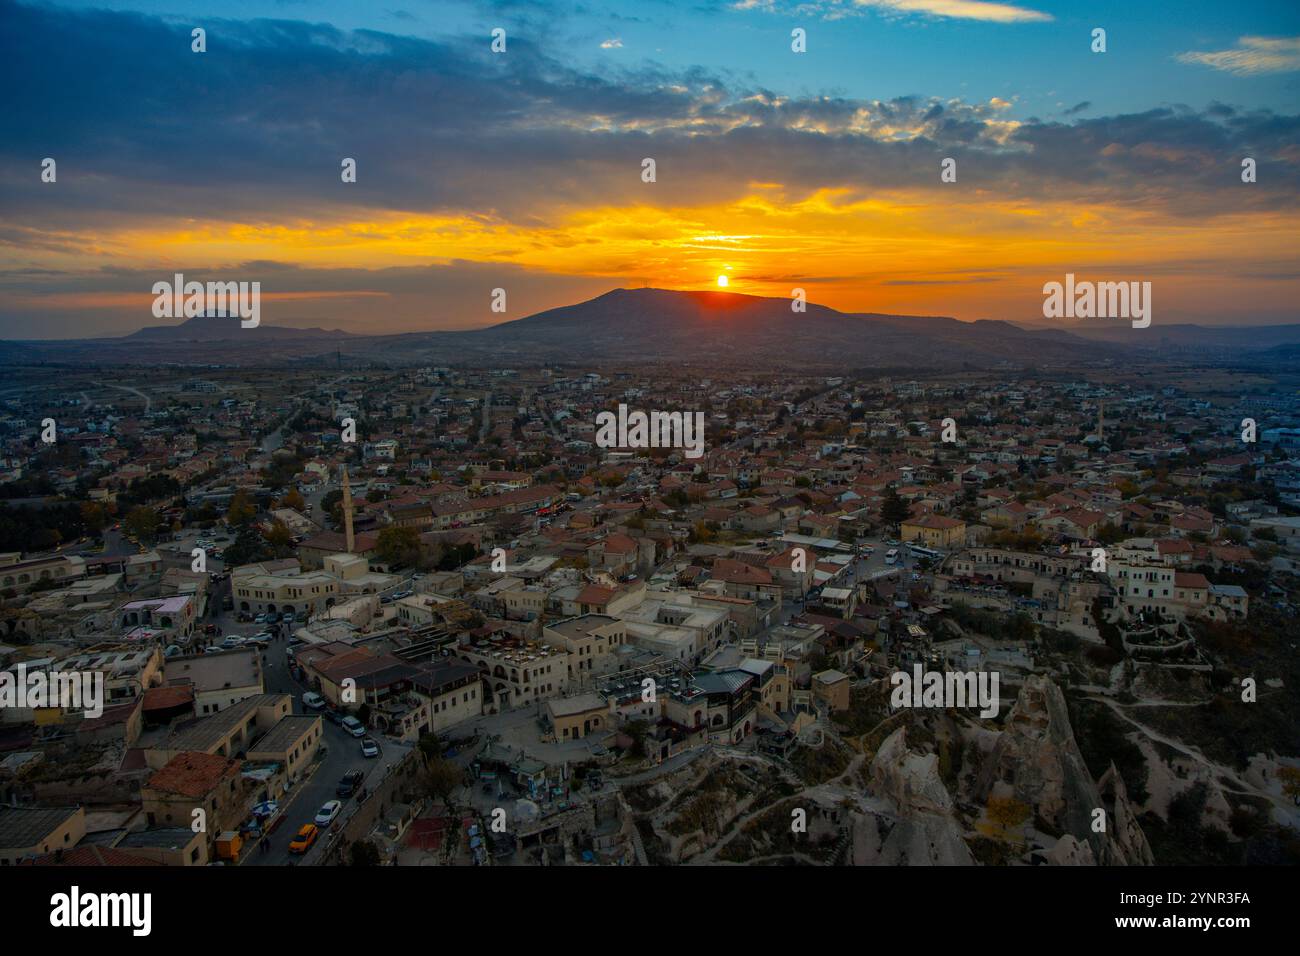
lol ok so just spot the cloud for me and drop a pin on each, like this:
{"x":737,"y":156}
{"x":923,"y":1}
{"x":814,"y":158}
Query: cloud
{"x":960,"y":10}
{"x":613,"y":44}
{"x":1251,"y":56}
{"x":170,"y":160}
{"x":144,"y":131}
{"x":982,"y":10}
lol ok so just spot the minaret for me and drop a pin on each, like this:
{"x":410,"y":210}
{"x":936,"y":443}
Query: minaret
{"x":1101,"y":422}
{"x":347,"y":510}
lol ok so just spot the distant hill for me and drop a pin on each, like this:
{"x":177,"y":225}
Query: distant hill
{"x":220,"y":328}
{"x":726,"y":327}
{"x":1181,"y":335}
{"x":635,"y":325}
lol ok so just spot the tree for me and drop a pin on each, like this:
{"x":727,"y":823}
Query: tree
{"x":1006,"y":812}
{"x":894,"y":510}
{"x":398,"y":547}
{"x":701,"y":532}
{"x":248,"y":548}
{"x":637,"y":730}
{"x":364,"y":853}
{"x":455,"y":556}
{"x":332,"y":505}
{"x":293,"y":500}
{"x":279,"y":538}
{"x":142,"y":521}
{"x":241,"y":510}
{"x":430,"y":747}
{"x":94,"y":516}
{"x":441,"y":778}
{"x":1290,"y":777}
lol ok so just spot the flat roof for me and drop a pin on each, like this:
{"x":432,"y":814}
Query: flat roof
{"x":28,"y":826}
{"x":208,"y":732}
{"x":236,"y":668}
{"x":284,"y":735}
{"x":568,"y":706}
{"x":173,"y":838}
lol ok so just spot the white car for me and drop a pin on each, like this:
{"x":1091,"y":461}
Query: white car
{"x":328,"y":813}
{"x":313,"y":701}
{"x":353,"y":726}
{"x":369,"y":748}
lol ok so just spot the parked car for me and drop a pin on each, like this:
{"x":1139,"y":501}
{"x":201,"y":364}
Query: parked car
{"x":349,"y":784}
{"x":369,"y":748}
{"x":332,"y":715}
{"x":353,"y":726}
{"x":232,"y":642}
{"x":313,"y":701}
{"x":305,"y":838}
{"x":328,"y":813}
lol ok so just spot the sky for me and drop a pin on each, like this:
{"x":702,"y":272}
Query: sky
{"x":522,"y":170}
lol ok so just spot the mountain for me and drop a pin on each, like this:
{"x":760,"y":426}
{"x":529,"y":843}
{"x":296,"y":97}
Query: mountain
{"x":635,"y":325}
{"x":1182,"y":336}
{"x":638,"y":325}
{"x":222,"y":328}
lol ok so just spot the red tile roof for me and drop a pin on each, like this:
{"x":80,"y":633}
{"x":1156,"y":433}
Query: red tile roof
{"x":193,"y":774}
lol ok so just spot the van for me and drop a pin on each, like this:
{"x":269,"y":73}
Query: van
{"x":891,"y":556}
{"x":313,"y":701}
{"x":353,"y":726}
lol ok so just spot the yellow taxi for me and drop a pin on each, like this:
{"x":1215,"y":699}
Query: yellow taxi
{"x":305,"y":838}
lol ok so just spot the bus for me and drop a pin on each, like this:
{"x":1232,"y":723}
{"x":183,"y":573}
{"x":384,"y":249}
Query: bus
{"x":920,"y":552}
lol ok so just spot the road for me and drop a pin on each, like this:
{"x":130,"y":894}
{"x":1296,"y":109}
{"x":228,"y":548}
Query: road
{"x":148,"y":402}
{"x":343,"y":755}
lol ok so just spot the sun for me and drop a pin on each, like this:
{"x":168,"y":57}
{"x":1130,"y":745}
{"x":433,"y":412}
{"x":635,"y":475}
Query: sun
{"x":722,"y":282}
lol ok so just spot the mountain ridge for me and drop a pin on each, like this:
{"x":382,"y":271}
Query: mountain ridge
{"x":643,"y":324}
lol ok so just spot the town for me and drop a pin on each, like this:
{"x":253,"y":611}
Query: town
{"x":477,"y":636}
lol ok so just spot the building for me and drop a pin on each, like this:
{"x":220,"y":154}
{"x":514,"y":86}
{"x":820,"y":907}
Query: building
{"x":935,"y":531}
{"x":591,"y":641}
{"x":195,"y":787}
{"x":217,"y":680}
{"x":516,"y":672}
{"x":169,"y":619}
{"x":227,"y":733}
{"x":278,"y":587}
{"x":21,"y":575}
{"x":27,"y":832}
{"x":573,"y":718}
{"x":832,"y":687}
{"x":449,"y":693}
